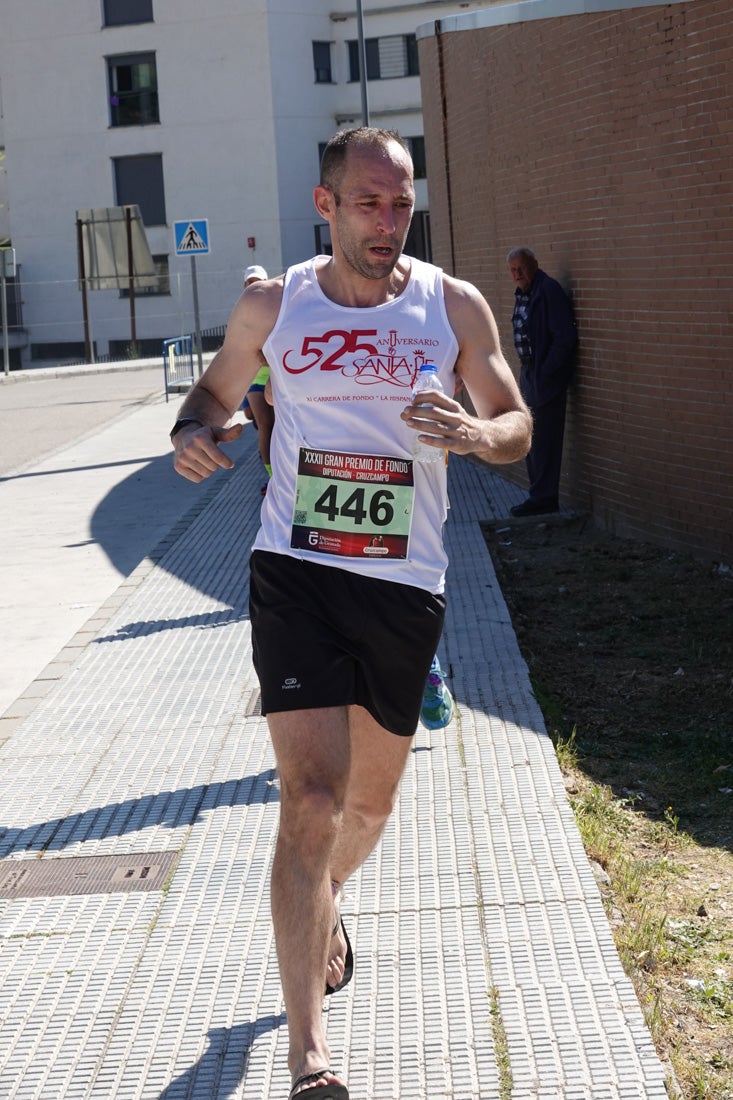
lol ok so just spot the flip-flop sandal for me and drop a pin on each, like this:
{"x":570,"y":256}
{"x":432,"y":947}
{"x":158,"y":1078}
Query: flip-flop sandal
{"x":328,"y":1091}
{"x":348,"y":968}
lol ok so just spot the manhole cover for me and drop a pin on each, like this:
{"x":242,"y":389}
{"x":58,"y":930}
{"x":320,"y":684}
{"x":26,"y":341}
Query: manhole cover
{"x":48,"y":878}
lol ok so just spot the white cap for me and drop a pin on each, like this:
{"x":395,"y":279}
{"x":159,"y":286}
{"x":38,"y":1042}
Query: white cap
{"x":254,"y":272}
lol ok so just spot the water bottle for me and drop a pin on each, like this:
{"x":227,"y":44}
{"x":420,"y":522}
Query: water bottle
{"x":427,"y":381}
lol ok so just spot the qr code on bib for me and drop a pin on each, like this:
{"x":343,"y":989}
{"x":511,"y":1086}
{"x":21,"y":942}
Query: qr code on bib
{"x":300,"y":517}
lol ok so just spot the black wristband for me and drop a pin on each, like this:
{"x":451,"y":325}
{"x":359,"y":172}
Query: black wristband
{"x":182,"y":423}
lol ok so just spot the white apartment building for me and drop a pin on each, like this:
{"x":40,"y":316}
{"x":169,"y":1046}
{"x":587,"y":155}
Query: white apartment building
{"x":192,"y":111}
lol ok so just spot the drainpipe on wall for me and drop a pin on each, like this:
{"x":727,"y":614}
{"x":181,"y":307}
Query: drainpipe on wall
{"x":362,"y":65}
{"x":444,"y":117}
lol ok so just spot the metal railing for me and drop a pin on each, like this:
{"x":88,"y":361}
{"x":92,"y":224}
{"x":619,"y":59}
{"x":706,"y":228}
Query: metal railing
{"x":178,"y":363}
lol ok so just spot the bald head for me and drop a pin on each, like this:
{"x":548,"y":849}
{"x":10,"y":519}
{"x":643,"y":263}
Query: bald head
{"x":361,"y":138}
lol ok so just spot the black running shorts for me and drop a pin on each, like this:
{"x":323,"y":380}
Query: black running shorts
{"x":325,"y":637}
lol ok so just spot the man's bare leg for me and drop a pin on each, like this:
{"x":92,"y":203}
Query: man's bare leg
{"x":378,"y":760}
{"x":313,"y":753}
{"x":328,"y":760}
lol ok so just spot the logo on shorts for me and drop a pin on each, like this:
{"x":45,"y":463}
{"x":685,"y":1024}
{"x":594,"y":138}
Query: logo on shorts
{"x":290,"y":683}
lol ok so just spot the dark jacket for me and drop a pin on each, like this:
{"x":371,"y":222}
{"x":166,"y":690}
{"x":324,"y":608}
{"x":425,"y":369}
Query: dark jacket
{"x":553,"y":336}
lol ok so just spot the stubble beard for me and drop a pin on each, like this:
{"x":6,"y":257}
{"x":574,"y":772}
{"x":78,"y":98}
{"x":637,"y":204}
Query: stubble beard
{"x":355,"y":255}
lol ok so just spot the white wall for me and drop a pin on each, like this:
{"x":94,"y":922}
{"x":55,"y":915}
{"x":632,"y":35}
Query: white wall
{"x":241,"y":117}
{"x":216,"y":137}
{"x":304,"y":117}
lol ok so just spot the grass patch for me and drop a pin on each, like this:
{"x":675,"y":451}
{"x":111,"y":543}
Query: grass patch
{"x":501,"y":1047}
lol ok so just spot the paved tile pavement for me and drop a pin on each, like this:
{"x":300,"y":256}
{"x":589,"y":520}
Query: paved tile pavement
{"x":86,"y":488}
{"x":485,"y":967}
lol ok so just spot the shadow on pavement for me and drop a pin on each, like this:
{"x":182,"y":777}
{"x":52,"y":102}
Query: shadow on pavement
{"x":206,"y":621}
{"x":222,"y":1067}
{"x":141,"y":510}
{"x":171,"y":809}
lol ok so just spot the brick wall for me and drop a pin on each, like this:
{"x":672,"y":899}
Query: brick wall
{"x":605,"y":143}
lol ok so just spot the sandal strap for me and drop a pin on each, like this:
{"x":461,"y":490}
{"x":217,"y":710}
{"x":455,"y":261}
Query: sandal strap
{"x":337,"y":899}
{"x":306,"y":1078}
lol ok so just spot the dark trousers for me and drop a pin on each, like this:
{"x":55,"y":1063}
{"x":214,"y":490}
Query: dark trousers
{"x":545,"y":457}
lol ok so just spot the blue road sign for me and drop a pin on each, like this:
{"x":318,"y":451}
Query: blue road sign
{"x":192,"y":237}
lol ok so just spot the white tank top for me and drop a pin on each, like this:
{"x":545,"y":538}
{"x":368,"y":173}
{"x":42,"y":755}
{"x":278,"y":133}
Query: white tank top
{"x":344,"y":489}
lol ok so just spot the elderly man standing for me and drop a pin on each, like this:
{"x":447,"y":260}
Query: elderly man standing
{"x":545,"y":338}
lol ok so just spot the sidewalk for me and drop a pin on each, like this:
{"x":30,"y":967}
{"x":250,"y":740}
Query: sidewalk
{"x":138,"y":812}
{"x":87,"y":487}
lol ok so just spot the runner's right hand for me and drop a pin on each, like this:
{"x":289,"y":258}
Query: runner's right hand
{"x":197,"y":451}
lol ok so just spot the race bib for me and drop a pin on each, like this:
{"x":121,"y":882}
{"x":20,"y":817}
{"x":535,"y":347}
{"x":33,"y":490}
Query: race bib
{"x":352,"y":505}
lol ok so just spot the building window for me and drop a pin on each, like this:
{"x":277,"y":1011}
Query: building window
{"x":69,"y":349}
{"x":322,"y":62}
{"x":14,"y":300}
{"x":140,"y":180}
{"x":143,"y":349}
{"x":371,"y":48}
{"x":162,"y":284}
{"x":321,"y":150}
{"x":119,"y":12}
{"x":413,"y":61}
{"x":416,"y":145}
{"x":133,"y":89}
{"x":392,"y":56}
{"x":418,"y":241}
{"x":322,"y":233}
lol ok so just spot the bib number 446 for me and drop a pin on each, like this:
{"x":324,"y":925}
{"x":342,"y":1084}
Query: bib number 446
{"x":359,"y":506}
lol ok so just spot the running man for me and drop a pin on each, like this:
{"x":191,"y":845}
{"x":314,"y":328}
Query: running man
{"x":344,"y":631}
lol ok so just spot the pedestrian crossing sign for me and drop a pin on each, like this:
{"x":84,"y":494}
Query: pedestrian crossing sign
{"x":192,"y":237}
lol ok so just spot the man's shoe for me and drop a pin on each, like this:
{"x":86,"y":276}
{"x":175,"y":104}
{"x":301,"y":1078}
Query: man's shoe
{"x":437,"y":701}
{"x":531,"y":507}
